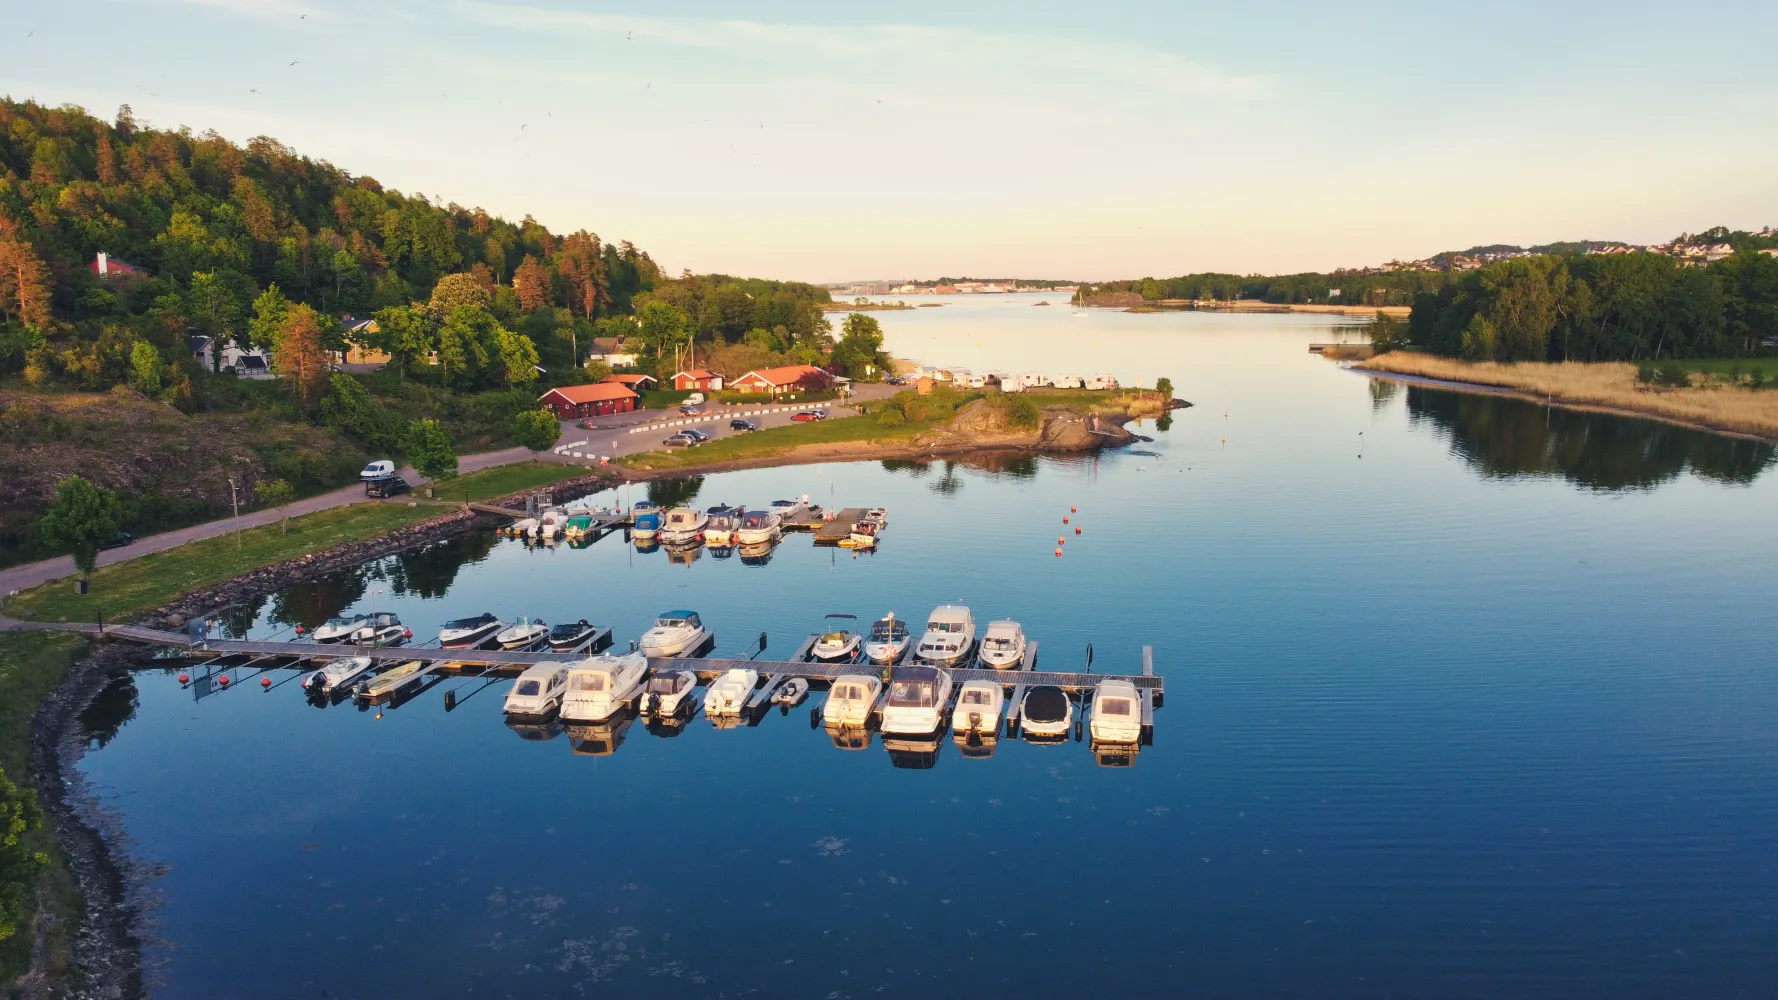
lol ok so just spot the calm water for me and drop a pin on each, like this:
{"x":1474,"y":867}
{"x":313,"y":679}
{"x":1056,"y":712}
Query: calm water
{"x":1488,"y":710}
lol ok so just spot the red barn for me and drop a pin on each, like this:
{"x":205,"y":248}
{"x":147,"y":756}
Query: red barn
{"x":698,"y":379}
{"x":571,"y":402}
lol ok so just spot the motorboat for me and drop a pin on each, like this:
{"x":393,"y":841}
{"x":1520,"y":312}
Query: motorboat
{"x":646,"y":525}
{"x":381,"y":629}
{"x":674,"y":632}
{"x":728,"y":694}
{"x":601,"y":739}
{"x":1003,"y":645}
{"x":720,"y":525}
{"x":387,"y":683}
{"x":569,"y":636}
{"x":850,"y":699}
{"x":837,"y":644}
{"x":550,"y":523}
{"x":791,"y":692}
{"x":878,"y":516}
{"x":917,"y":700}
{"x":950,"y":635}
{"x":889,"y":640}
{"x":522,"y":634}
{"x":759,"y":527}
{"x":794,"y":510}
{"x":538,"y":690}
{"x":978,"y":708}
{"x":1046,"y":713}
{"x":337,"y":629}
{"x":667,"y":691}
{"x":683,"y":524}
{"x":600,"y":685}
{"x":1117,"y":713}
{"x":644,"y":507}
{"x":463,"y":633}
{"x":338,"y":675}
{"x":523,"y":526}
{"x":580,"y":525}
{"x":863,"y":535}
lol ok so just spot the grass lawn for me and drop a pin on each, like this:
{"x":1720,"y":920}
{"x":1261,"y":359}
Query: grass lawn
{"x":777,"y":440}
{"x":1722,"y":366}
{"x":1086,"y":400}
{"x":501,"y":480}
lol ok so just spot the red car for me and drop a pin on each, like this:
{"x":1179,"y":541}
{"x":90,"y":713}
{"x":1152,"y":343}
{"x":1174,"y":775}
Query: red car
{"x":811,"y":415}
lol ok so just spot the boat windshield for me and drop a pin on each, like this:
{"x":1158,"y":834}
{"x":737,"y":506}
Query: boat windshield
{"x":669,"y":622}
{"x":754,"y":519}
{"x":1114,"y":706}
{"x":975,"y":697}
{"x":849,"y":692}
{"x":938,"y":626}
{"x":913,"y":694}
{"x":671,"y":684}
{"x":529,"y":687}
{"x":341,"y":622}
{"x":463,"y":623}
{"x":1046,"y":704}
{"x":889,"y":630}
{"x":996,"y":642}
{"x":589,"y":682}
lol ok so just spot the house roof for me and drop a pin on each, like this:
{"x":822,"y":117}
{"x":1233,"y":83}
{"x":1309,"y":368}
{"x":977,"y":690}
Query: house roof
{"x":631,"y":379}
{"x":788,"y":375}
{"x":697,"y":373}
{"x":597,"y":392}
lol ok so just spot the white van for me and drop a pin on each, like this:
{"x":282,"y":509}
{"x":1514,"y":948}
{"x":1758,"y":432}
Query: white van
{"x":378,"y":470}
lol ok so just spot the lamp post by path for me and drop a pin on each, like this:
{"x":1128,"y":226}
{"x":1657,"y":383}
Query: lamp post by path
{"x":234,"y":493}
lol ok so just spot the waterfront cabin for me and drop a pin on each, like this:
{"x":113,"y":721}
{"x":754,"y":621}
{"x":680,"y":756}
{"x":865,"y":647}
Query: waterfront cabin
{"x":697,"y":380}
{"x":571,"y":402}
{"x":776,"y":381}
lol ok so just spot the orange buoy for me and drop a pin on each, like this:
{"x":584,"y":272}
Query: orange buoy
{"x":1073,"y":510}
{"x":1058,"y":551}
{"x":265,"y":682}
{"x":185,"y":678}
{"x":1059,"y":539}
{"x":1064,"y":518}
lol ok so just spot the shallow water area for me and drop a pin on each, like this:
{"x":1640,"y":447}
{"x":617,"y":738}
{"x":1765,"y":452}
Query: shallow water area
{"x":1466,"y":697}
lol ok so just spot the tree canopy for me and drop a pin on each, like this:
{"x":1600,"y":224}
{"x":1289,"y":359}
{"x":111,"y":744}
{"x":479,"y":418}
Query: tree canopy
{"x":83,"y":518}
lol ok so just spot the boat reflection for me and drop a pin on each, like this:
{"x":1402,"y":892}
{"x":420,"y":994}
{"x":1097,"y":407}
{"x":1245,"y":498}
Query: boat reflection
{"x":757,"y":554}
{"x":721,"y":551}
{"x":914,"y":753}
{"x":1114,"y":754}
{"x":669,"y":726}
{"x":976,"y":745}
{"x":646,"y":543}
{"x":850,"y":737}
{"x":535,"y":730}
{"x":684,"y":555}
{"x":601,"y":739}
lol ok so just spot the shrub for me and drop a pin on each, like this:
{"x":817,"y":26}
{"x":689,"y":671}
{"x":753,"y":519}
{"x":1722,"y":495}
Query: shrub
{"x":1021,"y":412}
{"x":537,"y":430}
{"x":891,"y":416}
{"x":1673,"y":374}
{"x":1645,"y":373}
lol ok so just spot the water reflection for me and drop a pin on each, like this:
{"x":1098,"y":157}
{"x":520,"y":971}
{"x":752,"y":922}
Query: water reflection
{"x":976,"y":745}
{"x":667,"y":493}
{"x":601,"y":739}
{"x":914,"y":753}
{"x":114,"y":706}
{"x":1513,"y":437}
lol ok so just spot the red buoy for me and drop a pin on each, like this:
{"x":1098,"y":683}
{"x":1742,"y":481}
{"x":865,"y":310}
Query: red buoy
{"x":1073,"y":510}
{"x":1077,"y":531}
{"x":185,"y":678}
{"x":408,"y":634}
{"x":223,"y":680}
{"x":265,"y":682}
{"x":1064,"y":518}
{"x":299,"y":630}
{"x":1059,"y":539}
{"x":1058,"y":552}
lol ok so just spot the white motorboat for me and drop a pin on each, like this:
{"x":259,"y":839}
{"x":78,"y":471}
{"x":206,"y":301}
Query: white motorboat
{"x":463,"y":633}
{"x":666,"y":691}
{"x":950,"y":635}
{"x":917,"y":700}
{"x":673,"y":633}
{"x":599,"y":686}
{"x":538,"y":690}
{"x":337,"y":629}
{"x":863,"y":535}
{"x":794,"y":510}
{"x":1046,"y":713}
{"x":878,"y":516}
{"x":683,"y":524}
{"x":759,"y":527}
{"x":791,"y":692}
{"x":889,"y":640}
{"x":721,"y":524}
{"x":1003,"y":645}
{"x":522,"y":634}
{"x":381,"y":629}
{"x":850,"y":699}
{"x":550,"y":523}
{"x":837,"y":644}
{"x":337,"y":675}
{"x":1117,"y":713}
{"x":523,"y":526}
{"x":978,"y":708}
{"x":728,"y":694}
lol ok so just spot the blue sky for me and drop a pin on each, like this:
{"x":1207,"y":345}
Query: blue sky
{"x":822,"y":142}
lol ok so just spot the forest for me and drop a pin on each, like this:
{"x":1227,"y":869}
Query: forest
{"x":1354,"y":287}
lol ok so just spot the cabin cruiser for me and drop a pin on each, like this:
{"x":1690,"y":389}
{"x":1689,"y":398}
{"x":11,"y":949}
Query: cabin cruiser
{"x":978,"y":708}
{"x":878,"y":516}
{"x":889,"y":640}
{"x":550,"y":523}
{"x":337,"y":629}
{"x":728,"y":694}
{"x":381,"y":629}
{"x":1046,"y":713}
{"x":917,"y":699}
{"x":791,"y":692}
{"x":837,"y":644}
{"x":950,"y":635}
{"x":538,"y":690}
{"x":674,"y":632}
{"x":1003,"y":645}
{"x":569,"y":636}
{"x":1117,"y":713}
{"x":863,"y":535}
{"x":683,"y":524}
{"x":522,"y":634}
{"x":850,"y":699}
{"x":387,"y":683}
{"x":759,"y":526}
{"x":463,"y":633}
{"x":667,"y":691}
{"x":337,"y":675}
{"x":720,"y":525}
{"x":647,"y":525}
{"x":600,"y":685}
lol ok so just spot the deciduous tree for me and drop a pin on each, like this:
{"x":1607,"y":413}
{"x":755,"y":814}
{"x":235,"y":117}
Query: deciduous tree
{"x":537,"y":430}
{"x":277,"y":493}
{"x":299,"y":355}
{"x":83,"y":518}
{"x":429,"y":448}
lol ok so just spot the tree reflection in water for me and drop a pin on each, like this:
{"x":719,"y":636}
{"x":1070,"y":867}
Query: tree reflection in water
{"x":1508,"y":437}
{"x":666,"y":493}
{"x":114,"y":705}
{"x":430,"y":570}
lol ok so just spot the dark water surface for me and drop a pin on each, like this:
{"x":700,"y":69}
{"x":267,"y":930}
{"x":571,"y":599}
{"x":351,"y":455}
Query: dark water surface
{"x":1488,"y":711}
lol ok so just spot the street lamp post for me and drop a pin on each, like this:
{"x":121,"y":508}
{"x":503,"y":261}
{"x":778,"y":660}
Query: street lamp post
{"x":234,"y":494}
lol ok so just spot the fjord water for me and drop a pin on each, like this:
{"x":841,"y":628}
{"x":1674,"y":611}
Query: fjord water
{"x":1488,"y":710}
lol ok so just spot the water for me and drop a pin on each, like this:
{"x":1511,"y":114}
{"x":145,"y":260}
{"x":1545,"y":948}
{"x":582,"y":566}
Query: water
{"x":1485,"y":711}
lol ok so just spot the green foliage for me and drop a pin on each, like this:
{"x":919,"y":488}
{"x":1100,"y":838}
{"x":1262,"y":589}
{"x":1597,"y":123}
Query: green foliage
{"x":403,"y":333}
{"x":1020,"y":410}
{"x":350,"y":408}
{"x":19,"y":865}
{"x":82,"y":518}
{"x":277,"y":493}
{"x":1673,"y":375}
{"x":1387,"y":334}
{"x":537,"y":430}
{"x":429,"y":448}
{"x":859,"y":354}
{"x":890,"y":415}
{"x":1646,"y":373}
{"x":147,"y":371}
{"x":596,"y":371}
{"x":1164,"y":386}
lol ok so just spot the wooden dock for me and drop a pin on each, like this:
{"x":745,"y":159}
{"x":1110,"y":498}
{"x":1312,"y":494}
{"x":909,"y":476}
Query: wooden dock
{"x":837,"y":530}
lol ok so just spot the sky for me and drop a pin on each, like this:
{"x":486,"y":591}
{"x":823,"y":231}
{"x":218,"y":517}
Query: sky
{"x":832,"y":142}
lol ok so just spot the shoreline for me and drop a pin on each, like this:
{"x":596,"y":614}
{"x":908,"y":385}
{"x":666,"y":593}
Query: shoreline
{"x":1259,"y":306}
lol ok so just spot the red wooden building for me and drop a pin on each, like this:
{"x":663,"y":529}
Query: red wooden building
{"x":697,"y":379}
{"x":571,"y":402}
{"x":790,"y":378}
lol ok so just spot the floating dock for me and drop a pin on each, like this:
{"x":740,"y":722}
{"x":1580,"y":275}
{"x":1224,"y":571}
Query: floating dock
{"x":840,"y":528}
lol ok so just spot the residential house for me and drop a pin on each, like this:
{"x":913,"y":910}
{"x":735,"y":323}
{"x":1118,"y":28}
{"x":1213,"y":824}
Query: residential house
{"x":358,"y":351}
{"x":109,"y":268}
{"x":636,"y":383}
{"x":571,"y":402}
{"x":776,"y":381}
{"x":697,"y":379}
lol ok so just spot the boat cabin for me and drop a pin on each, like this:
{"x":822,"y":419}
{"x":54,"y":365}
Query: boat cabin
{"x":678,"y":619}
{"x":915,"y":687}
{"x":889,"y":630}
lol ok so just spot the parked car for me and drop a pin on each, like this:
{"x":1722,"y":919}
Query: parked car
{"x":811,"y":415}
{"x":680,"y":440}
{"x":691,"y":410}
{"x":377,"y":470}
{"x":123,"y":538}
{"x":695,"y":399}
{"x":387,"y":486}
{"x":738,"y":424}
{"x":697,"y":436}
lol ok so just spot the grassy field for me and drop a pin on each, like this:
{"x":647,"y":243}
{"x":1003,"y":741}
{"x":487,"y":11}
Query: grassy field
{"x":501,"y":480}
{"x":1611,"y":384}
{"x":1721,"y":367}
{"x":775,"y":441}
{"x":1090,"y":400}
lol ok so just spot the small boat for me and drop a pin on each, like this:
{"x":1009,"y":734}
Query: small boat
{"x":720,"y":525}
{"x":850,"y":699}
{"x":522,"y":634}
{"x":1003,"y":645}
{"x":523,"y":526}
{"x":578,"y":526}
{"x":793,"y":510}
{"x":666,"y":691}
{"x":538,"y":690}
{"x":863,"y":535}
{"x":759,"y":527}
{"x":728,"y":694}
{"x":838,"y":644}
{"x":389,"y":682}
{"x":950,"y":635}
{"x":567,"y":637}
{"x":683,"y":524}
{"x":644,"y":507}
{"x":1117,"y":713}
{"x":889,"y":640}
{"x":647,"y":525}
{"x":878,"y":516}
{"x":550,"y":523}
{"x":337,"y":675}
{"x":599,"y":686}
{"x":1046,"y":713}
{"x":381,"y":629}
{"x":978,"y":708}
{"x":673,"y":633}
{"x":463,"y":633}
{"x":337,"y":629}
{"x":917,"y":700}
{"x":791,"y":692}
